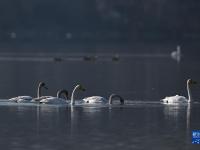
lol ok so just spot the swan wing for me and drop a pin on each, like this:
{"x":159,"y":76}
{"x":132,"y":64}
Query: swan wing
{"x":14,"y":99}
{"x":53,"y":100}
{"x":94,"y":99}
{"x":38,"y":99}
{"x":21,"y":98}
{"x":24,"y":99}
{"x":174,"y":99}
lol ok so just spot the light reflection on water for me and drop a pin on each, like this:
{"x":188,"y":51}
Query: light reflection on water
{"x":140,"y":124}
{"x":136,"y":125}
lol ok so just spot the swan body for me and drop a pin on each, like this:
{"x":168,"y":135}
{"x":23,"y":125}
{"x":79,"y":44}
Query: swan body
{"x":38,"y":99}
{"x":181,"y":99}
{"x":21,"y":99}
{"x":27,"y":99}
{"x":176,"y":55}
{"x":56,"y":100}
{"x":53,"y":100}
{"x":102,"y":100}
{"x":95,"y":99}
{"x":175,"y":99}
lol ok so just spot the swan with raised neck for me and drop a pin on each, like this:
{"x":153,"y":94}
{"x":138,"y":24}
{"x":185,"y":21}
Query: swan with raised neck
{"x":25,"y":99}
{"x":76,"y":88}
{"x":181,"y":99}
{"x":40,"y":86}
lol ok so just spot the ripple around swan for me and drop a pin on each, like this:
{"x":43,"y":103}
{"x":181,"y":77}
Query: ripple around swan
{"x":79,"y":103}
{"x":135,"y":125}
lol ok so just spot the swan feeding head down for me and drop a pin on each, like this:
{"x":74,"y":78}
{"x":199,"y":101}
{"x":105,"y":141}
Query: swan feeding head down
{"x":58,"y":99}
{"x":24,"y":99}
{"x":181,"y":99}
{"x":65,"y":94}
{"x":112,"y":96}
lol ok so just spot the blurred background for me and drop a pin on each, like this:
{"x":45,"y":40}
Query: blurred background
{"x":108,"y":45}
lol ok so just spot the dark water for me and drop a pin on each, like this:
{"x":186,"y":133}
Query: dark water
{"x":144,"y":125}
{"x":137,"y":125}
{"x":135,"y":77}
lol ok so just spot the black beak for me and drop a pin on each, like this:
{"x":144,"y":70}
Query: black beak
{"x":46,"y":87}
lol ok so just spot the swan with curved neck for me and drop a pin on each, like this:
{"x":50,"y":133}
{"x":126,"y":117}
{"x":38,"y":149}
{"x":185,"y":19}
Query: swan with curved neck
{"x":76,"y":88}
{"x":40,"y":86}
{"x":58,"y":99}
{"x":112,"y":96}
{"x":94,"y":99}
{"x":102,"y":100}
{"x":25,"y":99}
{"x":181,"y":99}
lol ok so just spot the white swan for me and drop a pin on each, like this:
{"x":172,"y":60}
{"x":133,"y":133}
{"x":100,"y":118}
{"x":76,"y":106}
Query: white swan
{"x":56,"y":100}
{"x":181,"y":99}
{"x":77,"y":87}
{"x":26,"y":99}
{"x":102,"y":100}
{"x":95,"y":99}
{"x":176,"y":55}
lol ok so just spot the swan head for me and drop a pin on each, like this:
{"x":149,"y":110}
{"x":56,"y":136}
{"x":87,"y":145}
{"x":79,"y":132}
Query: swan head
{"x":42,"y":84}
{"x":80,"y":87}
{"x":191,"y":82}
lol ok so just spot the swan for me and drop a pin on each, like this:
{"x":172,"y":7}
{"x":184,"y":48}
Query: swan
{"x":181,"y":99}
{"x":77,"y":87}
{"x":94,"y":99}
{"x":56,"y":100}
{"x":26,"y":99}
{"x":176,"y":55}
{"x":110,"y":100}
{"x":102,"y":100}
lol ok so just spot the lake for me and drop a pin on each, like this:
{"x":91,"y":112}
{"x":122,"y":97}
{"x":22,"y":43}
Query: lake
{"x":142,"y":123}
{"x":136,"y":125}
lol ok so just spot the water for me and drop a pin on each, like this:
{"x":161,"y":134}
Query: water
{"x":134,"y":77}
{"x":137,"y":125}
{"x":143,"y":123}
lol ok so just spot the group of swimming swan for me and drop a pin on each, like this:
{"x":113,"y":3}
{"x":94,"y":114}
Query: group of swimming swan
{"x":93,"y":99}
{"x":63,"y":93}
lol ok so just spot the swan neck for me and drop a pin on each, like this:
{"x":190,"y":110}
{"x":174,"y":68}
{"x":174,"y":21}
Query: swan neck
{"x":59,"y":94}
{"x":72,"y":96}
{"x":39,"y":91}
{"x":118,"y":96}
{"x":110,"y":99}
{"x":189,"y":93}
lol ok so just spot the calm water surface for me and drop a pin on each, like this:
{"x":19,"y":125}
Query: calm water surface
{"x":137,"y":125}
{"x":136,"y":78}
{"x":143,"y":123}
